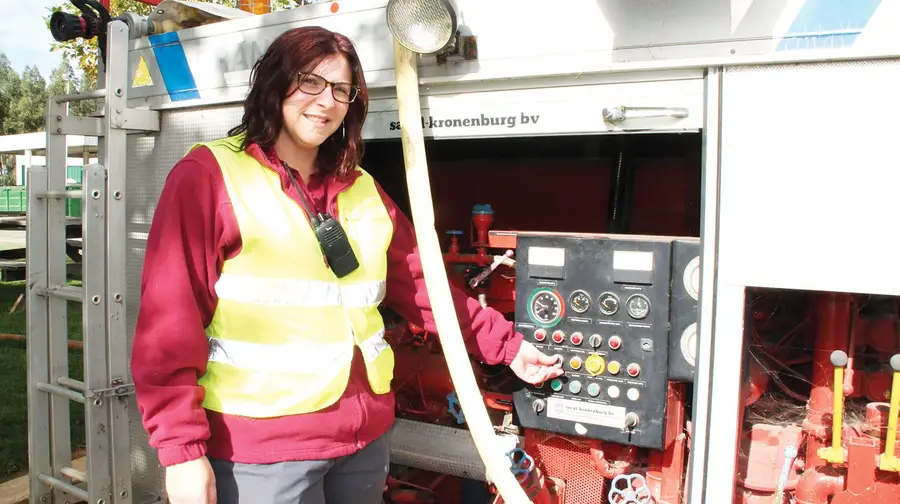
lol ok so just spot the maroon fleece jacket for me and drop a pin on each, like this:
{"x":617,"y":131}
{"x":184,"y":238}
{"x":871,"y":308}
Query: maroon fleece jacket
{"x":194,"y":230}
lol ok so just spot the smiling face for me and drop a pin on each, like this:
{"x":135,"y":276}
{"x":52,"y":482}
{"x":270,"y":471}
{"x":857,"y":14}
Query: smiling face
{"x":310,"y":119}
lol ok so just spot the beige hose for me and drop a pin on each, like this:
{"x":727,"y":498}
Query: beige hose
{"x":451,"y":339}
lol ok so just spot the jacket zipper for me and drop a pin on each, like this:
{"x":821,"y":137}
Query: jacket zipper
{"x":331,"y":208}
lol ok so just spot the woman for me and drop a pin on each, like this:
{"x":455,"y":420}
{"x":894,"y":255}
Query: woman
{"x":259,"y":366}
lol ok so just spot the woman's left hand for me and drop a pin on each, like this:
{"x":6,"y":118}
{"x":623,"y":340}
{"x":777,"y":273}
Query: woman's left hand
{"x":534,"y":366}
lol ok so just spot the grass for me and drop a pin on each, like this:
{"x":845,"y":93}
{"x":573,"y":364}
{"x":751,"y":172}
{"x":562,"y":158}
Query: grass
{"x":13,"y":390}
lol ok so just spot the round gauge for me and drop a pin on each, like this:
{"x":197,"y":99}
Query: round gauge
{"x":691,"y":278}
{"x":608,"y":303}
{"x":546,"y":307}
{"x":688,"y":344}
{"x":580,"y":301}
{"x":638,"y":306}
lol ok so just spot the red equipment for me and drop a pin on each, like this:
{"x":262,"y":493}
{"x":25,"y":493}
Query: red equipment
{"x":789,"y":376}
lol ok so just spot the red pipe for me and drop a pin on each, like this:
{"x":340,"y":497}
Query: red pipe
{"x":456,"y":258}
{"x":611,"y":469}
{"x":816,"y":486}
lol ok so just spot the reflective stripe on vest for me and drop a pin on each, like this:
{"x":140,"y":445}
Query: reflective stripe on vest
{"x":283,"y":335}
{"x":283,"y":358}
{"x":295,"y":292}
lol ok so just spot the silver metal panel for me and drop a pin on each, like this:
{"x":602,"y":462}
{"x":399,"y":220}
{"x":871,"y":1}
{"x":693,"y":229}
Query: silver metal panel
{"x":150,"y":159}
{"x":564,"y":107}
{"x":38,"y":338}
{"x":527,"y":38}
{"x":809,"y":177}
{"x":441,"y":449}
{"x":113,"y":150}
{"x":56,"y":275}
{"x":723,"y":405}
{"x":709,"y":203}
{"x":99,"y":483}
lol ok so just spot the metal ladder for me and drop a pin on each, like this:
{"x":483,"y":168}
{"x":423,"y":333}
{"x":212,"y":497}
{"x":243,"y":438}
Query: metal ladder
{"x":105,"y":389}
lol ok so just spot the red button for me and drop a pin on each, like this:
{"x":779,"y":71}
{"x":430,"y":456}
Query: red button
{"x":577,"y":338}
{"x":615,"y":342}
{"x":634,"y":370}
{"x":559,"y":336}
{"x":540,"y":335}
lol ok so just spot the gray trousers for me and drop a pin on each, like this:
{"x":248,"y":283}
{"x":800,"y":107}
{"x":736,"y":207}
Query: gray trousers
{"x":358,"y":478}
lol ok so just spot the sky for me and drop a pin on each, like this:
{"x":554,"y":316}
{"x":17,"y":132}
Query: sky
{"x":24,"y":38}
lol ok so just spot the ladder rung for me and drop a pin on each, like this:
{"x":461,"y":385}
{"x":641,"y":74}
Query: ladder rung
{"x":89,"y":95}
{"x":75,"y":474}
{"x":68,"y":292}
{"x":74,"y":194}
{"x":72,"y":384}
{"x":65,"y":487}
{"x":61,"y":391}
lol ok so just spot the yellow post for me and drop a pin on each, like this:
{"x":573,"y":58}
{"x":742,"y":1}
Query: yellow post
{"x":834,"y":454}
{"x":889,"y":461}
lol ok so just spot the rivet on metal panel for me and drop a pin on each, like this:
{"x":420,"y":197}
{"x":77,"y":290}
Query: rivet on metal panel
{"x":95,"y":299}
{"x":95,"y":194}
{"x":98,"y":402}
{"x":101,"y":501}
{"x":118,"y":297}
{"x":59,"y":118}
{"x":59,"y":130}
{"x":123,"y":494}
{"x":118,"y":91}
{"x":117,"y":194}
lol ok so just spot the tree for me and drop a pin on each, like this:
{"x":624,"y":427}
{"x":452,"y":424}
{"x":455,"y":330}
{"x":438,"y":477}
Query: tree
{"x":85,"y":53}
{"x":27,"y":112}
{"x":10,"y":91}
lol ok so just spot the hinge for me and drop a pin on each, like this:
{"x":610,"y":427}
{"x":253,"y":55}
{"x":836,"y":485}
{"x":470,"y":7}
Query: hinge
{"x":119,"y":389}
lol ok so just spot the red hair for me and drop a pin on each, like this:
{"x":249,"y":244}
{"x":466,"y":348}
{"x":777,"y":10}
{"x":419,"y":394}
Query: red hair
{"x":273,"y":78}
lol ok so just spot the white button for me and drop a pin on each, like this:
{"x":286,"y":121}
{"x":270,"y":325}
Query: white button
{"x":613,"y":391}
{"x":634,"y":394}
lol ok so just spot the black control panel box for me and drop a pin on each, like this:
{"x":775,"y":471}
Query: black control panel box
{"x":601,"y":303}
{"x":685,"y":297}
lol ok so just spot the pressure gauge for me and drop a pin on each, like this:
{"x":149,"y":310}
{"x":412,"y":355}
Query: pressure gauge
{"x":546,"y":307}
{"x":580,"y":301}
{"x":608,"y":303}
{"x":638,"y":306}
{"x":691,"y":278}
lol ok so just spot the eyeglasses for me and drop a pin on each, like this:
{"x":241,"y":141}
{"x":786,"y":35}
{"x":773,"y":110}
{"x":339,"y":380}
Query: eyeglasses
{"x":313,"y":84}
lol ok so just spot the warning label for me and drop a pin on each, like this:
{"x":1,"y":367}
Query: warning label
{"x":596,"y":414}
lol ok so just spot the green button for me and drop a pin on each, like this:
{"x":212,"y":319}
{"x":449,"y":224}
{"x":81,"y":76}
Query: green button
{"x":575,"y":386}
{"x":594,"y":389}
{"x":556,"y":385}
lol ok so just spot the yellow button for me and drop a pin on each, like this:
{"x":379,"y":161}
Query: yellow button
{"x":595,"y":364}
{"x":575,"y":363}
{"x":614,"y":367}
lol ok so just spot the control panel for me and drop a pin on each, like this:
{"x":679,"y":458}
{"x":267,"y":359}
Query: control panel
{"x":685,"y":296}
{"x":601,"y":304}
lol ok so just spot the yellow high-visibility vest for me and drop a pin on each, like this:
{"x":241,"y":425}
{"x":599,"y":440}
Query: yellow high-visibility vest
{"x":285,"y":327}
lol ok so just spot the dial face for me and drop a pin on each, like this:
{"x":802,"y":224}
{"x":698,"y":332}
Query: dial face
{"x":691,"y":278}
{"x":580,"y":301}
{"x":545,"y":307}
{"x":638,"y":306}
{"x":608,"y":303}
